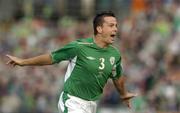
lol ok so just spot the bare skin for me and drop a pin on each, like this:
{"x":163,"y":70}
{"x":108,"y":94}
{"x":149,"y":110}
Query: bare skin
{"x":106,"y":32}
{"x":125,"y":95}
{"x":36,"y":61}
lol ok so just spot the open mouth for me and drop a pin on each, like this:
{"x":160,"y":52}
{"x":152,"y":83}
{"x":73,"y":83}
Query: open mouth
{"x":112,"y":35}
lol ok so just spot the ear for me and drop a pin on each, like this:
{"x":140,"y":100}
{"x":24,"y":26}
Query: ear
{"x":99,"y":29}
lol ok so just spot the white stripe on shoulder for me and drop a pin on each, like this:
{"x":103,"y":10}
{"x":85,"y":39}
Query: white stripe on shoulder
{"x":84,"y":43}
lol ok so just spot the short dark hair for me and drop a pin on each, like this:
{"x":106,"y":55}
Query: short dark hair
{"x":99,"y":19}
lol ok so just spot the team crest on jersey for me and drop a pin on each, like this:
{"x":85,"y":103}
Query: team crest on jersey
{"x":112,"y":60}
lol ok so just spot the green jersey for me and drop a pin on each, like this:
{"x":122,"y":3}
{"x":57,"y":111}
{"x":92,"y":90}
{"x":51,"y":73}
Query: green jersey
{"x":89,"y":67}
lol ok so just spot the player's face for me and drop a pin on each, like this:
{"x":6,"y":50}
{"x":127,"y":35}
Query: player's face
{"x":109,"y":30}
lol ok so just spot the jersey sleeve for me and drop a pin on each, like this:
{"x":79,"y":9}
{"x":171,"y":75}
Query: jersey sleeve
{"x":117,"y":70}
{"x":67,"y":52}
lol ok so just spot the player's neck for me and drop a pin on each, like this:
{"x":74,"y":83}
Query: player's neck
{"x":99,"y":42}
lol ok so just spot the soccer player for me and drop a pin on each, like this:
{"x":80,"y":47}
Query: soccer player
{"x":92,"y":61}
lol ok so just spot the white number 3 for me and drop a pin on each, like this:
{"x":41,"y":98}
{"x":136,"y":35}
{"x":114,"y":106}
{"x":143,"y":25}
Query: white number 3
{"x":102,"y":65}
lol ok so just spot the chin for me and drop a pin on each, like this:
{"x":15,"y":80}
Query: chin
{"x":111,"y":42}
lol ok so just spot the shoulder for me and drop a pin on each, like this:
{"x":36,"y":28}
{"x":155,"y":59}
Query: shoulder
{"x":85,"y":41}
{"x":80,"y":43}
{"x":114,"y":49}
{"x":116,"y":52}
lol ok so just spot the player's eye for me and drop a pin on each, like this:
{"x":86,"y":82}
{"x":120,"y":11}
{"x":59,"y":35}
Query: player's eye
{"x":111,"y":25}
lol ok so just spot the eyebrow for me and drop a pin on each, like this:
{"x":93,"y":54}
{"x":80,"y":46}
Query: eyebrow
{"x":111,"y":23}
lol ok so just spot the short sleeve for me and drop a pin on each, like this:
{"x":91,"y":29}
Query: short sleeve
{"x":117,"y":69}
{"x":67,"y":52}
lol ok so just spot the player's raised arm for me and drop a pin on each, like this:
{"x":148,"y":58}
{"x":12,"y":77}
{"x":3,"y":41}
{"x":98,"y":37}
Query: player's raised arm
{"x":125,"y":95}
{"x":40,"y":60}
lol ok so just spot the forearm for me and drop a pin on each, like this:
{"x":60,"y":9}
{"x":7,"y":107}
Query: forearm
{"x":38,"y":60}
{"x":125,"y":95}
{"x":120,"y":86}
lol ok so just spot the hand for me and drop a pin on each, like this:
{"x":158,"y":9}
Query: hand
{"x":14,"y":61}
{"x":126,"y":98}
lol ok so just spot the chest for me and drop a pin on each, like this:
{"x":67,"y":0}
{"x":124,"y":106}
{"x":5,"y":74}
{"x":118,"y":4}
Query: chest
{"x":97,"y":61}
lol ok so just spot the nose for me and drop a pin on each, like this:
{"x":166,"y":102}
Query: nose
{"x":115,"y":28}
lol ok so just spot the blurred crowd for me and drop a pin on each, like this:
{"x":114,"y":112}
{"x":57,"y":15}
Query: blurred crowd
{"x":149,"y":41}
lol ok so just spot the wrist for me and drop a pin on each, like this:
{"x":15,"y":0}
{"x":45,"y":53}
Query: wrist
{"x":128,"y":95}
{"x":123,"y":95}
{"x":22,"y":63}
